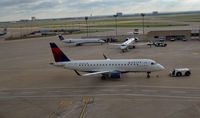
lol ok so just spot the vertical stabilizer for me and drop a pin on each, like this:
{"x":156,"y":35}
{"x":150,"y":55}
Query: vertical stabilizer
{"x":60,"y":37}
{"x":59,"y":56}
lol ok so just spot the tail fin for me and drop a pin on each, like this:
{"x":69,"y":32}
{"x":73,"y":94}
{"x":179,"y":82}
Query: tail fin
{"x":60,"y":37}
{"x":5,"y":30}
{"x":105,"y":57}
{"x":59,"y":56}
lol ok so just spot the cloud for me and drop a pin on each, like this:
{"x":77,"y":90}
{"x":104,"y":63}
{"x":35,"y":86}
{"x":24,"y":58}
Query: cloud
{"x":23,"y":9}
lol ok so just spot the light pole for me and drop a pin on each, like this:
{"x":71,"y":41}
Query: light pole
{"x":142,"y":14}
{"x":115,"y":24}
{"x":86,"y":18}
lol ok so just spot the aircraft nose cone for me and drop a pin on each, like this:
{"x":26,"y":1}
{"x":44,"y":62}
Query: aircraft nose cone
{"x":161,"y":67}
{"x":123,"y":47}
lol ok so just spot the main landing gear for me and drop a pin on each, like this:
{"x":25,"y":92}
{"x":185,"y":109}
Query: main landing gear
{"x":148,"y":74}
{"x":103,"y":77}
{"x":78,"y":44}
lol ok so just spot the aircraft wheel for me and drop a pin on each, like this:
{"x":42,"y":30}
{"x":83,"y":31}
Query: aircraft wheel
{"x":103,"y":77}
{"x":187,"y":73}
{"x":148,"y":74}
{"x":178,"y":74}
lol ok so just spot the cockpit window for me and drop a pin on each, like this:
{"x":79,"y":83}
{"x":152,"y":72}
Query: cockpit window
{"x":123,"y":45}
{"x":152,"y":63}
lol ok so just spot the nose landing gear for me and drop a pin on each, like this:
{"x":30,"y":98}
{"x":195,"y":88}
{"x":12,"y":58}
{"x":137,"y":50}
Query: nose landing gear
{"x":148,"y":74}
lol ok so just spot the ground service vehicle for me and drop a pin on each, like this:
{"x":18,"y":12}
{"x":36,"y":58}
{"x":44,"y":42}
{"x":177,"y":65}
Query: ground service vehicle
{"x":178,"y":72}
{"x":172,"y":39}
{"x":162,"y":39}
{"x":160,"y":44}
{"x":184,"y":39}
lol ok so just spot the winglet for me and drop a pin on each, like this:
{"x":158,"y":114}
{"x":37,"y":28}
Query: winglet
{"x":105,"y":57}
{"x":77,"y":73}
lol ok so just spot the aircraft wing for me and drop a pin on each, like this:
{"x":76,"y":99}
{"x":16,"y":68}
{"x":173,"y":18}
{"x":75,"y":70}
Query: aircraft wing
{"x":89,"y":74}
{"x":114,"y":44}
{"x":140,"y":44}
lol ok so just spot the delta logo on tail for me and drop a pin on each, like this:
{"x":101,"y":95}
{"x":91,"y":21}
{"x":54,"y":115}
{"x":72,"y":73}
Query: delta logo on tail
{"x":59,"y":56}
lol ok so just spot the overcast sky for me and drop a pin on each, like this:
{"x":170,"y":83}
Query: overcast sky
{"x":11,"y":10}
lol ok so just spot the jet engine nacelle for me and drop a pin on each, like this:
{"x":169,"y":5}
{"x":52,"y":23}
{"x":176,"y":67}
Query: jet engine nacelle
{"x":126,"y":39}
{"x":115,"y":75}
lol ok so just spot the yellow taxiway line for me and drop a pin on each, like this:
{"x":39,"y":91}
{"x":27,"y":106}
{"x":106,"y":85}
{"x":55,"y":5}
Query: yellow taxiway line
{"x":86,"y":101}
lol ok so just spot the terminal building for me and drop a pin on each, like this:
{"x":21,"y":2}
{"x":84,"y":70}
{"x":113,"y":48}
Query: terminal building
{"x":176,"y":34}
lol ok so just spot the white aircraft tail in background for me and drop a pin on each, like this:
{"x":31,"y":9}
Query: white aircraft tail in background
{"x":108,"y":68}
{"x":4,"y":32}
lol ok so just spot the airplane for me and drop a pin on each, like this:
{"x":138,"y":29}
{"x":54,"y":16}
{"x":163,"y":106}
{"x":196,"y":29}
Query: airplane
{"x":4,"y":32}
{"x":129,"y":43}
{"x":47,"y":33}
{"x":109,"y":68}
{"x":79,"y":42}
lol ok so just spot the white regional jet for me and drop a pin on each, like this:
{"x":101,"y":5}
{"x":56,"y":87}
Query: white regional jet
{"x":129,"y":43}
{"x":4,"y":32}
{"x":108,"y":68}
{"x":79,"y":42}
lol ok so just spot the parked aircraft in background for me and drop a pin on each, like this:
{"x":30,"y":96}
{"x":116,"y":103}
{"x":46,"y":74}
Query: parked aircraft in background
{"x":108,"y":68}
{"x":4,"y":32}
{"x":79,"y":42}
{"x":47,"y":32}
{"x":129,"y":43}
